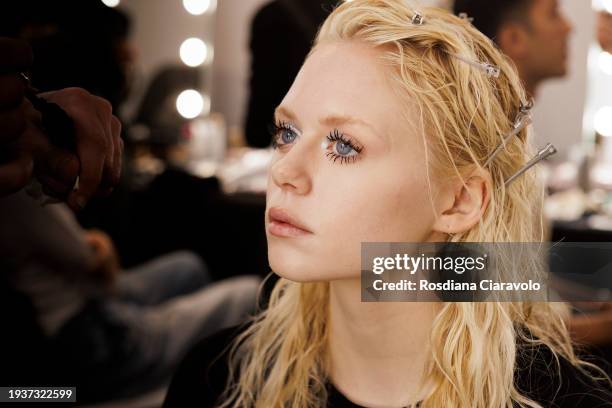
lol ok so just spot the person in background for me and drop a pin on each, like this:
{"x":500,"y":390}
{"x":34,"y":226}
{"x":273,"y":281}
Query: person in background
{"x":533,"y":33}
{"x":282,"y":33}
{"x":604,"y":31}
{"x":118,"y":332}
{"x":109,"y":332}
{"x":77,"y":43}
{"x":593,"y":327}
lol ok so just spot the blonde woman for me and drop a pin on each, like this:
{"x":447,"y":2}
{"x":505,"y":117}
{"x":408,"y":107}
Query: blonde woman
{"x":383,"y":137}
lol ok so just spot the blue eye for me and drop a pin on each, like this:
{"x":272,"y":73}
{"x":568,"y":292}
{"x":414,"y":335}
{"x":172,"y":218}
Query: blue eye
{"x":287,"y":136}
{"x":282,"y":134}
{"x":342,"y":148}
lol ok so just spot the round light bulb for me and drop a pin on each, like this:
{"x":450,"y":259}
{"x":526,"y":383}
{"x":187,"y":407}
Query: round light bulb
{"x":111,"y":3}
{"x":190,"y":104}
{"x":198,"y":7}
{"x":193,"y":52}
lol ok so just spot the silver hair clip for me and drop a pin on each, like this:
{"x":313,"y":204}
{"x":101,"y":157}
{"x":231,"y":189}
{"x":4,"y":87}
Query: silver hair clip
{"x":492,"y":71}
{"x":464,"y":16}
{"x":417,"y":18}
{"x":525,"y":108}
{"x":522,"y":121}
{"x":547,"y":151}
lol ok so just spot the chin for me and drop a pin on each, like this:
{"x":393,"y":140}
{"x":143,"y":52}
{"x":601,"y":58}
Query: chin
{"x":563,"y":68}
{"x":302,"y":269}
{"x":563,"y":71}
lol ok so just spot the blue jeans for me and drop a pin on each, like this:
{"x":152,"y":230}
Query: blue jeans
{"x":130,"y":343}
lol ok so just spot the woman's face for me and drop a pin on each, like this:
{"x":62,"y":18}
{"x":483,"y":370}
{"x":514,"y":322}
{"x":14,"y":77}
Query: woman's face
{"x":348,"y":168}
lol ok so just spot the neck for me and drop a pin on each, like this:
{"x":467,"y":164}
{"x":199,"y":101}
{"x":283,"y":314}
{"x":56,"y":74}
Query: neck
{"x":531,"y":88}
{"x":379,"y":351}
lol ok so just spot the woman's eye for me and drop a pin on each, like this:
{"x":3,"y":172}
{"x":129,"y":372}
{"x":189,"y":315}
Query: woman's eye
{"x":287,"y":136}
{"x":344,"y":149}
{"x":282,"y":134}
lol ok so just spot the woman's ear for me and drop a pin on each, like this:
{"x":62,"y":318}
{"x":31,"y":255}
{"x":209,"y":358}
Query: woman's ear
{"x":464,"y":203}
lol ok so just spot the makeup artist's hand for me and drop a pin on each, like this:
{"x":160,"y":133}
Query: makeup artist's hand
{"x":604,"y":31}
{"x":99,"y":146}
{"x":97,"y":159}
{"x":106,"y":260}
{"x":15,"y":166}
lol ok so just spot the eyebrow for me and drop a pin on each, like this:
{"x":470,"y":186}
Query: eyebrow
{"x":330,"y":120}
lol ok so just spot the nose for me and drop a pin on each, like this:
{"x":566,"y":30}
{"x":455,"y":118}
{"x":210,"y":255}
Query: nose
{"x":291,"y":173}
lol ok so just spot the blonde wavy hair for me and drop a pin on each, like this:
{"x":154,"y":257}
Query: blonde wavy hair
{"x":282,"y":358}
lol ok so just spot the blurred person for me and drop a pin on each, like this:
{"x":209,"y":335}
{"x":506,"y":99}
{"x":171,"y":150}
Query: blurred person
{"x":282,"y":33}
{"x":70,"y":284}
{"x":533,"y":33}
{"x":26,"y":154}
{"x":116,"y":333}
{"x":384,"y":137}
{"x":76,"y":43}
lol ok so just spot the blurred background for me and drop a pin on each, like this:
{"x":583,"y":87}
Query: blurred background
{"x":195,"y":82}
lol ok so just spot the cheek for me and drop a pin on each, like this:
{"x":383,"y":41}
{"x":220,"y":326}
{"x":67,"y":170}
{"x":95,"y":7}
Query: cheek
{"x":377,"y":209}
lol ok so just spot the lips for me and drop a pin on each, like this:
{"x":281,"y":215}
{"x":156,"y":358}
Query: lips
{"x":282,"y":224}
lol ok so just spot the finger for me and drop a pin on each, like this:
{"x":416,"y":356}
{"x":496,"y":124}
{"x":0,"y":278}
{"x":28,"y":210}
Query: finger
{"x":59,"y":165}
{"x":13,"y":90}
{"x":115,"y":172}
{"x":16,"y":55}
{"x":57,"y":171}
{"x":111,"y":178}
{"x":104,"y":113}
{"x":91,"y":154}
{"x":54,"y":188}
{"x":16,"y":174}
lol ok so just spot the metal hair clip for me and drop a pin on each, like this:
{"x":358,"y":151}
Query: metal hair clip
{"x":491,"y":70}
{"x":525,"y":108}
{"x":417,"y":18}
{"x":464,"y":16}
{"x":522,"y":121}
{"x":547,"y":151}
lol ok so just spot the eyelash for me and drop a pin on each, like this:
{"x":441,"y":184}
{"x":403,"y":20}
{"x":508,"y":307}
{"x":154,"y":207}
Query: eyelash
{"x":334,"y":136}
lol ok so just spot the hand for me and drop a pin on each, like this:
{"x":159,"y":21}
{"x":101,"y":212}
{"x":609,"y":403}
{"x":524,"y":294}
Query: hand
{"x":15,"y":167}
{"x":99,"y":148}
{"x":106,"y":260}
{"x":604,"y":31}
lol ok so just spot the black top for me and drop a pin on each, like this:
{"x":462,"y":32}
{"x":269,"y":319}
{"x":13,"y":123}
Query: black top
{"x":203,"y":374}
